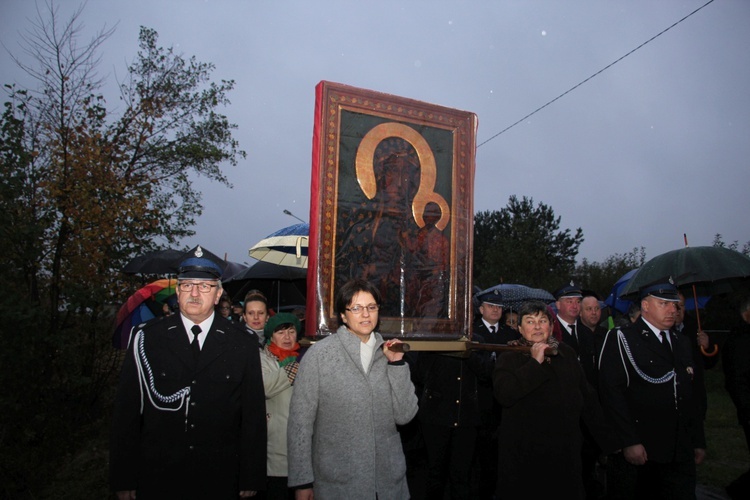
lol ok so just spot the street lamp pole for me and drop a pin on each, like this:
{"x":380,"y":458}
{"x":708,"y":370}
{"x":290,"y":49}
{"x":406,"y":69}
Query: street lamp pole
{"x":287,"y":212}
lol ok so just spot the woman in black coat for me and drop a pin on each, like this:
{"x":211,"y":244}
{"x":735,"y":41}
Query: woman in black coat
{"x":543,"y":397}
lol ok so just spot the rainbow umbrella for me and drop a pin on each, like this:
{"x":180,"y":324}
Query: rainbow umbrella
{"x":136,"y":309}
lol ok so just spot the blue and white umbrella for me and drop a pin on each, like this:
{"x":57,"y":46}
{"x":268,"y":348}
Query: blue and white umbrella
{"x":285,"y":247}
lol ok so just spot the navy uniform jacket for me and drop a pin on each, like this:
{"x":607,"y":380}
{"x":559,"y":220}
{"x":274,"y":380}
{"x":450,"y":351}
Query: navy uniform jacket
{"x":660,"y":416}
{"x":213,"y":445}
{"x":451,"y":386}
{"x":502,"y":336}
{"x":584,"y":346}
{"x":489,"y":408}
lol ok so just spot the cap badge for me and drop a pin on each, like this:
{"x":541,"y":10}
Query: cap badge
{"x":199,"y":252}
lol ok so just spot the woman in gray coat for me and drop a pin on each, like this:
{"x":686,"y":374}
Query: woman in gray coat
{"x":350,"y":393}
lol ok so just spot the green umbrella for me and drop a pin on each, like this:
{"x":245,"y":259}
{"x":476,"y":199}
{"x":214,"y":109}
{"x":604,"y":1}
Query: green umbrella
{"x":713,"y":270}
{"x":702,"y":270}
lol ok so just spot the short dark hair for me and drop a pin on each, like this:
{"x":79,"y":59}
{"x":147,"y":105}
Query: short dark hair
{"x":351,"y":288}
{"x":533,"y":308}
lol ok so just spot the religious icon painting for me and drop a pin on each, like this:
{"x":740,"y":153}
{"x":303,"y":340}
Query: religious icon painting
{"x":392,"y":203}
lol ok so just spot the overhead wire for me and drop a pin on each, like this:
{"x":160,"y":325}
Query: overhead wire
{"x":594,"y":75}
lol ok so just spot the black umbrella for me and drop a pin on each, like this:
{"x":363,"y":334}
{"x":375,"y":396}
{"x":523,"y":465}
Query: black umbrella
{"x":283,"y":286}
{"x":156,"y":262}
{"x":712,"y":270}
{"x":166,"y":262}
{"x":232,"y":269}
{"x":701,"y":270}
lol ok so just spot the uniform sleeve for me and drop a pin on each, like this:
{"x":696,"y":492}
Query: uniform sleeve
{"x":301,"y":425}
{"x":275,"y":379}
{"x":126,"y":427}
{"x":403,"y":395}
{"x":482,"y":363}
{"x":253,"y":448}
{"x":593,"y":417}
{"x":737,"y":377}
{"x":613,"y":384}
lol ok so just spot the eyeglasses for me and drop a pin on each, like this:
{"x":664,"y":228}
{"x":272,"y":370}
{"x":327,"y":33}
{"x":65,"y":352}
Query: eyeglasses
{"x":360,"y":309}
{"x":202,"y":287}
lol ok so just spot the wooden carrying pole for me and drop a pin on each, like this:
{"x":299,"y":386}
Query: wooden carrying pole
{"x":462,"y":347}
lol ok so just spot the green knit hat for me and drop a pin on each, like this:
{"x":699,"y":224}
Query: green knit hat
{"x":279,"y":319}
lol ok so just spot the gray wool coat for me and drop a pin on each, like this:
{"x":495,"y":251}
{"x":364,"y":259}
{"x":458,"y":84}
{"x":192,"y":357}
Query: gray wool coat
{"x":342,"y":432}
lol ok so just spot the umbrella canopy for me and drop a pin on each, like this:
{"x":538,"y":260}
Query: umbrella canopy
{"x":143,"y":305}
{"x":156,"y":262}
{"x":622,"y":305}
{"x":282,"y":285}
{"x":232,"y":269}
{"x":166,"y":262}
{"x":713,"y":270}
{"x":613,"y":300}
{"x":514,"y":294}
{"x":286,"y":247}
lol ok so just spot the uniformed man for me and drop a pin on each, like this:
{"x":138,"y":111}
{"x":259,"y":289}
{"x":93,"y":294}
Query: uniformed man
{"x":645,"y":387}
{"x":189,"y":418}
{"x":488,"y":326}
{"x":491,"y":330}
{"x":567,"y":328}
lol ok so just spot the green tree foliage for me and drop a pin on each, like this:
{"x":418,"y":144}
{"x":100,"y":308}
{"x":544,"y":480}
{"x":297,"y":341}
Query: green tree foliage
{"x":85,"y":186}
{"x":735,"y":245}
{"x":523,"y":243}
{"x":601,"y":276}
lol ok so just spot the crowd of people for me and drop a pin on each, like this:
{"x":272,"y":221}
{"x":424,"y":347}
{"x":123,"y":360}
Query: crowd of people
{"x":221,"y":401}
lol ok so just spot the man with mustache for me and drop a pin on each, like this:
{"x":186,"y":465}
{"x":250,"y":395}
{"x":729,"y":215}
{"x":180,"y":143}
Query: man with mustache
{"x":189,"y":418}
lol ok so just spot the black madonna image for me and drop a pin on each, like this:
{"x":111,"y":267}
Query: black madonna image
{"x":396,"y":183}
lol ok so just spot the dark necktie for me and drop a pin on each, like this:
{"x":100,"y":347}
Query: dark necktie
{"x":492,"y":329}
{"x":195,"y":346}
{"x":573,"y":340}
{"x":573,"y":331}
{"x":663,"y":339}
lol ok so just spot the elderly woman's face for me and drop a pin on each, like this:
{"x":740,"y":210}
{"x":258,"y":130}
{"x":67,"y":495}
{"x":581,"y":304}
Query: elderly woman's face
{"x":285,"y":338}
{"x":535,"y":328}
